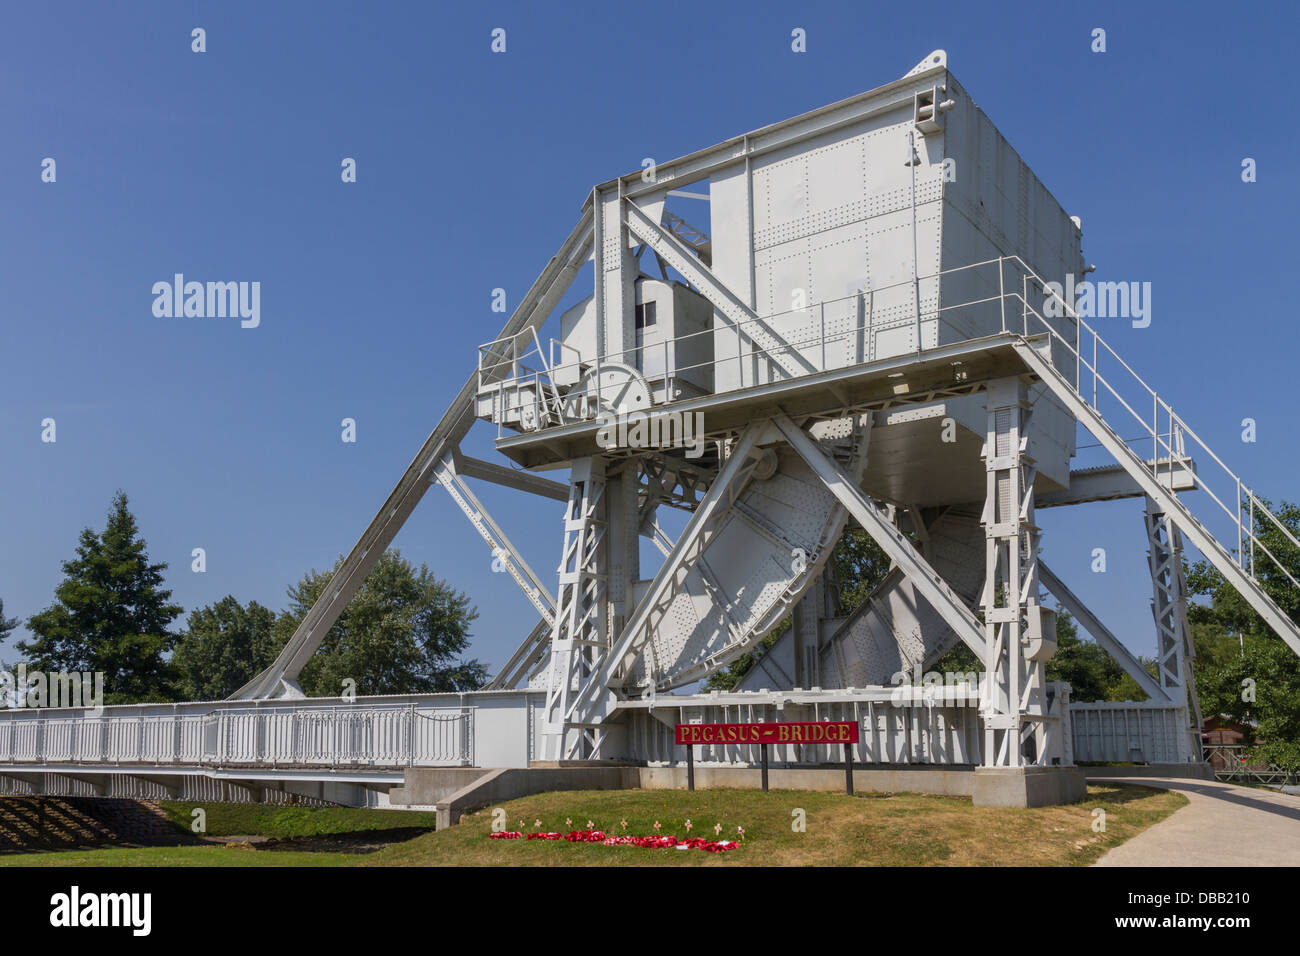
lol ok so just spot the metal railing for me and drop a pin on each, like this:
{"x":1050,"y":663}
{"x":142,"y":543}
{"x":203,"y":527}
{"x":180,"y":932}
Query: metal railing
{"x":1169,"y":435}
{"x":278,"y":736}
{"x":1007,"y":301}
{"x":517,"y":370}
{"x":1231,"y":763}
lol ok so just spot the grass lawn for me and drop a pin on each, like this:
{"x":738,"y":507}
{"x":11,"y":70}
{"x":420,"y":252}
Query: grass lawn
{"x":178,"y":856}
{"x":302,"y":836}
{"x":866,"y":830}
{"x":249,"y":819}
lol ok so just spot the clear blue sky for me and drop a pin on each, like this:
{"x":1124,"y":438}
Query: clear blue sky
{"x":471,"y":170}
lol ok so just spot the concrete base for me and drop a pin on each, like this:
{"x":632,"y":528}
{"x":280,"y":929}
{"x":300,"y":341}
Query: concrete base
{"x":948,"y":781}
{"x":1028,"y":786}
{"x":498,"y":786}
{"x":484,"y":788}
{"x":426,"y":786}
{"x":460,"y":790}
{"x":1182,"y":771}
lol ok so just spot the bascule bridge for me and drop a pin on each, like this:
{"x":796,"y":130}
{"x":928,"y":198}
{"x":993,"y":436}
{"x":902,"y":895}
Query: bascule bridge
{"x":851,"y":317}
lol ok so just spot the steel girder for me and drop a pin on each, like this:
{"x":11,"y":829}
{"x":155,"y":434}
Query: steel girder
{"x":1014,"y":705}
{"x":1175,"y":651}
{"x":580,"y":636}
{"x":658,"y":484}
{"x":538,"y":594}
{"x":515,"y":478}
{"x":900,"y":550}
{"x":536,"y":305}
{"x":1165,"y":499}
{"x":1101,"y":634}
{"x":679,"y":256}
{"x":578,"y":695}
{"x":526,"y":661}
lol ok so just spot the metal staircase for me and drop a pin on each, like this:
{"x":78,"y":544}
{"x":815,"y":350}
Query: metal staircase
{"x":1042,"y":347}
{"x":896,"y":631}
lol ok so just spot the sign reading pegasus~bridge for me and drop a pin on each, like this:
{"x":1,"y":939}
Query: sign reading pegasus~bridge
{"x":764,"y":733}
{"x":805,"y":732}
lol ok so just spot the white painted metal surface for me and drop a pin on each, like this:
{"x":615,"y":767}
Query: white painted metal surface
{"x":861,"y":328}
{"x":896,"y":223}
{"x":433,"y":730}
{"x":895,"y":630}
{"x":1129,"y":732}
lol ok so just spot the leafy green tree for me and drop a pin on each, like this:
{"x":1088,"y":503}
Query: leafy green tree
{"x":111,"y":614}
{"x":7,"y":624}
{"x":1091,"y":673}
{"x":1243,"y":670}
{"x":1215,"y":645}
{"x":1259,"y":686}
{"x":860,"y":565}
{"x":224,"y":646}
{"x":1127,"y":688}
{"x":402,"y":633}
{"x":1227,"y":610}
{"x":958,"y":659}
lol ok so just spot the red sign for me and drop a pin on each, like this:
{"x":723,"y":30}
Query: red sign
{"x":819,"y":732}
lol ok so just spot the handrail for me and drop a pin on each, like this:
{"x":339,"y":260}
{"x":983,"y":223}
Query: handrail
{"x":280,"y":735}
{"x":1235,"y":757}
{"x":1247,"y":539}
{"x":1084,"y":348}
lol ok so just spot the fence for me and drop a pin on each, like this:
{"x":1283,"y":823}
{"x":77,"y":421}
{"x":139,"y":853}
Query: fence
{"x":1129,"y":732}
{"x":282,"y":736}
{"x":1231,"y":765}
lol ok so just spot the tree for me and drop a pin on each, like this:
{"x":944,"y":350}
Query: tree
{"x":1243,"y":670}
{"x":1091,"y":673}
{"x":859,"y":566}
{"x":1259,"y":686}
{"x":7,"y":624}
{"x":110,"y":615}
{"x":223,"y":647}
{"x":1227,"y":610}
{"x":402,"y":633}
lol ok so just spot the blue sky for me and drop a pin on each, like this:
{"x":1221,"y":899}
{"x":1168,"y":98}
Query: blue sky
{"x":471,"y":170}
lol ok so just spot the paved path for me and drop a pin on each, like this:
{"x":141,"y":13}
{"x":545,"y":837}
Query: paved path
{"x":1223,"y":825}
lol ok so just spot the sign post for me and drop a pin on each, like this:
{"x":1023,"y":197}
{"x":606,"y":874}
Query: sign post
{"x":828,"y":732}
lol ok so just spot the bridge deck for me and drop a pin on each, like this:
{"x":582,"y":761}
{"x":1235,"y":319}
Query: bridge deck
{"x":909,"y":379}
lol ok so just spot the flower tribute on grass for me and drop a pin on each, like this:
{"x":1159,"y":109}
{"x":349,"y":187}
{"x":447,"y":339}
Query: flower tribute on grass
{"x":657,"y":842}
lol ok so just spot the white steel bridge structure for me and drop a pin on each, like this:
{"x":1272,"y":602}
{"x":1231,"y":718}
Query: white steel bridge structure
{"x":871,"y":330}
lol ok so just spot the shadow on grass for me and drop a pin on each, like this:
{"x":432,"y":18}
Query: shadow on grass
{"x":358,"y":841}
{"x":1225,"y":793}
{"x":1118,"y":795}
